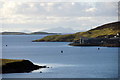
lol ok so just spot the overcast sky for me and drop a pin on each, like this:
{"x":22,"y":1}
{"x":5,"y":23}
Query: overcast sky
{"x":66,"y":17}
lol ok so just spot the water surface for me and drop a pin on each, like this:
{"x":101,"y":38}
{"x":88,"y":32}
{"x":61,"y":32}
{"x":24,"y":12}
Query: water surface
{"x":74,"y":62}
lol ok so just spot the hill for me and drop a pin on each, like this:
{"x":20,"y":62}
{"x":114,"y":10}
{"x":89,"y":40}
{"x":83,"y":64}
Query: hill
{"x":13,"y":33}
{"x":106,"y":29}
{"x":17,"y":66}
{"x":36,"y":33}
{"x":22,"y":33}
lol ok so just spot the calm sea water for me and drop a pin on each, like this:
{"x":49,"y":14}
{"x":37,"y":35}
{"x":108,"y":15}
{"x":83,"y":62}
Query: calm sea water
{"x":74,"y":62}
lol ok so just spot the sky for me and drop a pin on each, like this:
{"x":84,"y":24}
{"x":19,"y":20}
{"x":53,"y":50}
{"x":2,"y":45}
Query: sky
{"x":61,"y":17}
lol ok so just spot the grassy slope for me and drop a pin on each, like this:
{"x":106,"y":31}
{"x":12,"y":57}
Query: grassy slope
{"x":107,"y":29}
{"x":17,"y":66}
{"x":5,"y":61}
{"x":60,"y":38}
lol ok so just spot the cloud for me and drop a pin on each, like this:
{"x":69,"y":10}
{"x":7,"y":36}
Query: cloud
{"x":91,"y":10}
{"x":76,"y":16}
{"x":41,"y":19}
{"x":60,"y":9}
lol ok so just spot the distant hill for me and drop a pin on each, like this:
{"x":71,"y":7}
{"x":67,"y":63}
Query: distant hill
{"x":22,"y":33}
{"x":13,"y":33}
{"x":106,"y":29}
{"x":36,"y":33}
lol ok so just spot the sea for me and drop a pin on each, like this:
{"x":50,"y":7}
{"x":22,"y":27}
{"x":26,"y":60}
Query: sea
{"x":74,"y":62}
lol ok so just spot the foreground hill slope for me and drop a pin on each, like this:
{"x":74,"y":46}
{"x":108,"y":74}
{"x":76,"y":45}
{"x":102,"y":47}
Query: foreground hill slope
{"x":106,"y":29}
{"x":17,"y":66}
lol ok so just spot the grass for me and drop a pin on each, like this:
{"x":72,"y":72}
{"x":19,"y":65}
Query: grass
{"x":96,"y":33}
{"x":60,"y":38}
{"x":5,"y":61}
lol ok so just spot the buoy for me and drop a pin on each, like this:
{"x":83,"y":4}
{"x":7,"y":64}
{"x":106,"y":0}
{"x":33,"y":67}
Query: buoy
{"x":40,"y":71}
{"x":98,"y":48}
{"x":61,"y":51}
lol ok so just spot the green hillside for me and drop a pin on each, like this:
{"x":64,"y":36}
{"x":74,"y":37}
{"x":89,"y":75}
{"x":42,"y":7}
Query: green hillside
{"x":57,"y":38}
{"x":107,"y":29}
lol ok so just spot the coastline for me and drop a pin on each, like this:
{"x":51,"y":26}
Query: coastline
{"x":17,"y":66}
{"x":101,"y":45}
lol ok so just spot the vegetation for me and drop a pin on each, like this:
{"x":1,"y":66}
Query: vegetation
{"x":55,"y":38}
{"x":107,"y":29}
{"x":5,"y":61}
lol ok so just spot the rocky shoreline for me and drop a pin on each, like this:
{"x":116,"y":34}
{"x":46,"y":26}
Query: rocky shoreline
{"x":101,"y":45}
{"x":22,"y":66}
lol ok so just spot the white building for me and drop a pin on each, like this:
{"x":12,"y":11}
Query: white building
{"x":82,"y":40}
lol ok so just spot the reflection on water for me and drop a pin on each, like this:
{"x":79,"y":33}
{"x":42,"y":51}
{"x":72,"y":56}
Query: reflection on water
{"x":50,"y":66}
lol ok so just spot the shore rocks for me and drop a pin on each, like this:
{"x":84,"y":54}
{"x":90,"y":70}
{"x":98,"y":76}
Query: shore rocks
{"x":102,"y":45}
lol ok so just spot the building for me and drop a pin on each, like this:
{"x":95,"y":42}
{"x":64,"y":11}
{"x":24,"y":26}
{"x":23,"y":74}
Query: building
{"x":83,"y":40}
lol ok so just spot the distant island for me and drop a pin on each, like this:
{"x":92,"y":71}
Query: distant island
{"x":22,"y":33}
{"x":105,"y":34}
{"x":13,"y":33}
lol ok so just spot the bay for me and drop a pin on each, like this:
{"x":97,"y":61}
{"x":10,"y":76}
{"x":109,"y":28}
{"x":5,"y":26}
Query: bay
{"x":74,"y":62}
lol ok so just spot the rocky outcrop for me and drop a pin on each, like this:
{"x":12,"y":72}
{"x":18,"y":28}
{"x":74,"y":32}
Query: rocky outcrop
{"x":20,"y":67}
